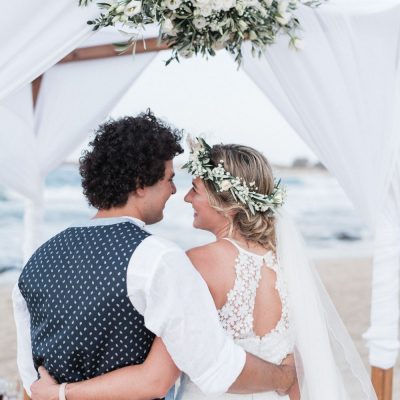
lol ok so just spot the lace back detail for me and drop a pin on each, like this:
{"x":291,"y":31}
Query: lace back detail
{"x":236,"y":315}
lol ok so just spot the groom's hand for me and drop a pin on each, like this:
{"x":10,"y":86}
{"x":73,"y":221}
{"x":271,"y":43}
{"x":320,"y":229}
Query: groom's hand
{"x":45,"y":388}
{"x":289,"y":370}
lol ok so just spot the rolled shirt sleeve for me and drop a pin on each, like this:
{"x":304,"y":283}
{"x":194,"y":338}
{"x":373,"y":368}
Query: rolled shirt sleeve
{"x":177,"y":306}
{"x":22,"y":319}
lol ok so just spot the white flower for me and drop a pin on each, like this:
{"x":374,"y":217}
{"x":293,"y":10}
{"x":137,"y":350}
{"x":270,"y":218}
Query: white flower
{"x":218,"y":172}
{"x":206,"y":11}
{"x":282,"y":6}
{"x":228,"y":4}
{"x":173,"y":4}
{"x":243,"y":25}
{"x":225,"y":185}
{"x":115,"y":19}
{"x":202,"y":3}
{"x":196,"y":147}
{"x":298,"y":44}
{"x":251,"y":3}
{"x":167,"y":26}
{"x":214,"y":26}
{"x":199,"y":23}
{"x":120,"y":9}
{"x":240,"y":7}
{"x":278,"y":198}
{"x":217,"y":4}
{"x":252,"y":35}
{"x":112,"y":7}
{"x":268,"y":3}
{"x":133,"y":8}
{"x":283,"y":19}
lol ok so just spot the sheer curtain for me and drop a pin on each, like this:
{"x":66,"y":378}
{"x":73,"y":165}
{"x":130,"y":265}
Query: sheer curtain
{"x":35,"y":35}
{"x":382,"y":336}
{"x":74,"y":98}
{"x":341,"y":95}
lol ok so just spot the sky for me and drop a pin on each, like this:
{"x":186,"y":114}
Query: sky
{"x":213,"y":98}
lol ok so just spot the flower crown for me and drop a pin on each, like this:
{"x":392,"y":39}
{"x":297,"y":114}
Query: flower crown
{"x":200,"y":165}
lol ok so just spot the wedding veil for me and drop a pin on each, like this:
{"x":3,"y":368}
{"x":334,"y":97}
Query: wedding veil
{"x":328,"y":365}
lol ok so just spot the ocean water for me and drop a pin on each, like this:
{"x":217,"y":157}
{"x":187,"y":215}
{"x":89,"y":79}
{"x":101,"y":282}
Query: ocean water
{"x":331,"y":227}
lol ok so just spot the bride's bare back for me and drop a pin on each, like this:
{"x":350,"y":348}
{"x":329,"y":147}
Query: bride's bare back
{"x":216,"y":262}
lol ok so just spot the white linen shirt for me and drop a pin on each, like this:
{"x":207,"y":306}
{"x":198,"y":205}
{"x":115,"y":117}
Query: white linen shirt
{"x":177,"y":306}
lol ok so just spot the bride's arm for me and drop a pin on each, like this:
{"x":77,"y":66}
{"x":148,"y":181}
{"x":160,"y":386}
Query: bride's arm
{"x":146,"y":381}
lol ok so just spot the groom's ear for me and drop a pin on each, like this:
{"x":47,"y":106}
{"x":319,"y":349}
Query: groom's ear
{"x":140,"y":192}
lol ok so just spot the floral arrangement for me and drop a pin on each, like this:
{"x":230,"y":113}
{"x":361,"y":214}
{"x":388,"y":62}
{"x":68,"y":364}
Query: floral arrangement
{"x":204,"y":26}
{"x":200,"y":165}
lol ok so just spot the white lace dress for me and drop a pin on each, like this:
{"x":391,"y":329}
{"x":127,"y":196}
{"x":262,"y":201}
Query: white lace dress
{"x":236,"y":317}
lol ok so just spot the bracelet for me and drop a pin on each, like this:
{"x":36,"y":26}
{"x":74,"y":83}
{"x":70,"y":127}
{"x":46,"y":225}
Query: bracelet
{"x":61,"y":391}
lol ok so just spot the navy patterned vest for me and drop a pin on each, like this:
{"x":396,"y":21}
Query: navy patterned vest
{"x":82,"y":322}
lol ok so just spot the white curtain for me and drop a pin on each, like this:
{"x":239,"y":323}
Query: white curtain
{"x":341,"y":95}
{"x":73,"y":99}
{"x":18,"y":152}
{"x":35,"y":34}
{"x":382,"y":336}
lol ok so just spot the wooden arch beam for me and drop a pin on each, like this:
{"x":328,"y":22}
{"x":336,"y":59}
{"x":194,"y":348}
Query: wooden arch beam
{"x":108,"y":50}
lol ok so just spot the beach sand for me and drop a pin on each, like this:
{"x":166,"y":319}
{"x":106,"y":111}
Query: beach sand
{"x":348,"y":281}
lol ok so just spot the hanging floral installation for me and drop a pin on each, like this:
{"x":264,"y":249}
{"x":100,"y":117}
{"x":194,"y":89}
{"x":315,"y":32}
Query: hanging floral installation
{"x":191,"y":27}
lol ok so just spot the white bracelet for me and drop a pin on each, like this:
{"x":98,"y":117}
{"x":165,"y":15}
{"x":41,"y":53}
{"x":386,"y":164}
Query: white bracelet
{"x":61,"y":392}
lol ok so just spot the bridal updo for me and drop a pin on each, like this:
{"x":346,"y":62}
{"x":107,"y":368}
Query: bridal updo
{"x":249,"y":164}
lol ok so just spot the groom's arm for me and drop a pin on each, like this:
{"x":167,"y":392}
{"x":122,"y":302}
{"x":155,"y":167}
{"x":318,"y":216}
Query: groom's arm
{"x":27,"y":371}
{"x":146,"y":381}
{"x":176,"y":304}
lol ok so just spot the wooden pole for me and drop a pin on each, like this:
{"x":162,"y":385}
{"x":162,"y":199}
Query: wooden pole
{"x":382,"y":380}
{"x":108,"y":50}
{"x":36,"y":89}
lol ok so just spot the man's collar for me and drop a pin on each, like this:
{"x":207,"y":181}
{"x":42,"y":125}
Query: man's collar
{"x":110,"y":221}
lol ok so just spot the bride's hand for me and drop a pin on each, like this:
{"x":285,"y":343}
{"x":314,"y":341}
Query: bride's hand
{"x":45,"y":388}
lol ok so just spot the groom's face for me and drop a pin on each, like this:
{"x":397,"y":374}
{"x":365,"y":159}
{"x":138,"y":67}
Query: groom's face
{"x":158,"y":194}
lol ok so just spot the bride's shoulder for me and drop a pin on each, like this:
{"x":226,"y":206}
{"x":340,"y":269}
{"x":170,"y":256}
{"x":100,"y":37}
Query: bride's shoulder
{"x":215,"y":263}
{"x":212,"y":253}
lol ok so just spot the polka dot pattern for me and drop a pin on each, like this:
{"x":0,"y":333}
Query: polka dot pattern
{"x":82,"y":321}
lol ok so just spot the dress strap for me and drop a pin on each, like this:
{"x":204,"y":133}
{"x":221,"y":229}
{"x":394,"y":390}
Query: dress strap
{"x":267,"y":258}
{"x":234,"y":243}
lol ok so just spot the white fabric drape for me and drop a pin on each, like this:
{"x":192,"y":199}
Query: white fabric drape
{"x":18,"y":167}
{"x":341,"y":95}
{"x":73,"y":99}
{"x":35,"y":34}
{"x":382,"y":336}
{"x":328,"y":365}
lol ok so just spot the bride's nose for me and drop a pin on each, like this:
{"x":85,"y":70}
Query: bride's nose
{"x":188,"y":196}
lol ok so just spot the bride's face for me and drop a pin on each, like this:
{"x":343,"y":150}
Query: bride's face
{"x":205,"y":217}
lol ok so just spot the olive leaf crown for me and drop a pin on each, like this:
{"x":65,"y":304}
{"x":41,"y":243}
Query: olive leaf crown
{"x":200,"y":165}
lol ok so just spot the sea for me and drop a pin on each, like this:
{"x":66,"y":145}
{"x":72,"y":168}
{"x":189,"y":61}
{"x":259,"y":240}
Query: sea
{"x":329,"y":223}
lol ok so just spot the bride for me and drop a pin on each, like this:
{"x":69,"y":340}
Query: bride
{"x":268,"y":297}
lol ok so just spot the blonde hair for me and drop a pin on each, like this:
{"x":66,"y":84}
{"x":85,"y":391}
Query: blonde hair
{"x":249,"y":164}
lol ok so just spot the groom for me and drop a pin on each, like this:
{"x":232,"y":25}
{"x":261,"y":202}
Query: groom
{"x":92,"y":298}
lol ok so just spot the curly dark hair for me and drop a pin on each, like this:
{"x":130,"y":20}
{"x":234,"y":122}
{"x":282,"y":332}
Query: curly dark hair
{"x":126,"y":154}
